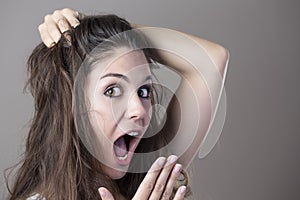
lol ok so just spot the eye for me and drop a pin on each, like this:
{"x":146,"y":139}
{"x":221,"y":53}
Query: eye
{"x":113,"y":91}
{"x":144,"y":91}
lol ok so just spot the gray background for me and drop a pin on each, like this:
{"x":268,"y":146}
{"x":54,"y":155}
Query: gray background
{"x":257,"y":156}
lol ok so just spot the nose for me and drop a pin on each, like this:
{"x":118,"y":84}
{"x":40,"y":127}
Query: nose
{"x":135,"y":108}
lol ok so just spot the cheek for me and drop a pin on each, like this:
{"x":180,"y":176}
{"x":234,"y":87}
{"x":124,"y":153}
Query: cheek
{"x":97,"y":122}
{"x":101,"y":117}
{"x":105,"y":120}
{"x":148,"y":108}
{"x":102,"y":109}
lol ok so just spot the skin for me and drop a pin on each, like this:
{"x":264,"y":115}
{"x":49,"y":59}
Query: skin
{"x":160,"y":179}
{"x":120,"y":101}
{"x":133,"y":112}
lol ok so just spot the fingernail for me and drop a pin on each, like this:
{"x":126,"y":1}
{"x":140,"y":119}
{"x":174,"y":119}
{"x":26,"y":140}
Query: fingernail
{"x":52,"y":44}
{"x":172,"y":159}
{"x":102,"y":192}
{"x":177,"y":168}
{"x":76,"y":14}
{"x":161,"y":161}
{"x":63,"y":29}
{"x":76,"y":23}
{"x":56,"y":39}
{"x":182,"y":189}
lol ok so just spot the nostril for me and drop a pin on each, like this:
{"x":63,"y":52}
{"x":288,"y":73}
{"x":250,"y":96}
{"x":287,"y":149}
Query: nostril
{"x":135,"y":108}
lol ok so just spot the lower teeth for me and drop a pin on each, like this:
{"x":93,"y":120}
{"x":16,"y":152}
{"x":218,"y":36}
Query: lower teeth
{"x":123,"y":157}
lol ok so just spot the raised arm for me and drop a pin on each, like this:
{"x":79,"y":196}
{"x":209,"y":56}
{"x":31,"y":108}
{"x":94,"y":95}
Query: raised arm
{"x":202,"y":66}
{"x":200,"y":63}
{"x":217,"y":53}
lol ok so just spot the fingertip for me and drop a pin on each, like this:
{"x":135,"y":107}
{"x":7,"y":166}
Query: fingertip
{"x":51,"y":45}
{"x":172,"y":159}
{"x":55,"y":35}
{"x":158,"y":164}
{"x":161,"y":161}
{"x":182,"y":190}
{"x":177,"y":168}
{"x":105,"y":194}
{"x":63,"y":25}
{"x":48,"y":41}
{"x":76,"y":14}
{"x":102,"y":192}
{"x":79,"y":15}
{"x":180,"y":193}
{"x":75,"y":23}
{"x":56,"y":40}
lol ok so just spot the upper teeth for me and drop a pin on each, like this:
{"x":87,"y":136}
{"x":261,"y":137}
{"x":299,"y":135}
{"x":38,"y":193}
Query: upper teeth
{"x":133,"y":133}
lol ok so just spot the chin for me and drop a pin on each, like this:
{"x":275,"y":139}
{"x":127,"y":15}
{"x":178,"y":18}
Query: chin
{"x":118,"y":175}
{"x":114,"y":173}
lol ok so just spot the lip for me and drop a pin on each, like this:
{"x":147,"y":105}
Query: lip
{"x":134,"y":141}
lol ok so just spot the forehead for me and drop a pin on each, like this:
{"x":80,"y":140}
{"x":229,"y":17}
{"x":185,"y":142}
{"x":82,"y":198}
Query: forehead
{"x":127,"y":61}
{"x":131,"y":63}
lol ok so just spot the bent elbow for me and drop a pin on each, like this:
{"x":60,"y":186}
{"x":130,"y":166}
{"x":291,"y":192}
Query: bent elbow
{"x":221,"y":58}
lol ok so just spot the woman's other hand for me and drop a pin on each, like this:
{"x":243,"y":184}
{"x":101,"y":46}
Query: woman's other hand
{"x":57,"y":23}
{"x":158,"y":183}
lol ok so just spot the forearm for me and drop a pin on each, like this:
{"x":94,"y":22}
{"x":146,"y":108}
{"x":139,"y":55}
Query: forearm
{"x":202,"y":66}
{"x":170,"y":42}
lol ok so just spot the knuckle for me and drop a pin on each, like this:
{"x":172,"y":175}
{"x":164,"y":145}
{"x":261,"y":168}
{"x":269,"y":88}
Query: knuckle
{"x":61,"y":22}
{"x":166,"y":195}
{"x":149,"y":185}
{"x":56,"y":12}
{"x":57,"y":16}
{"x":159,"y":187}
{"x":47,"y":17}
{"x":66,"y":10}
{"x":40,"y":27}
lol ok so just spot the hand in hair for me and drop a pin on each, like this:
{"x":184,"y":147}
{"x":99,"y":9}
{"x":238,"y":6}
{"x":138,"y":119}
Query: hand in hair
{"x":57,"y":23}
{"x":61,"y":20}
{"x":158,"y":183}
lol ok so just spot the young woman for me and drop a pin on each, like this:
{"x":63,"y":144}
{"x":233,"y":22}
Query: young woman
{"x":95,"y":93}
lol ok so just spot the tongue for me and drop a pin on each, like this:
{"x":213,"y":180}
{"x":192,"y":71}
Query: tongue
{"x":120,"y":147}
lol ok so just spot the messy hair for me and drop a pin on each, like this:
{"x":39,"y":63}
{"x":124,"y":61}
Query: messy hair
{"x":56,"y":163}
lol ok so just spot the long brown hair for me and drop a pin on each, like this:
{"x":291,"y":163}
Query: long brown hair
{"x":56,"y":163}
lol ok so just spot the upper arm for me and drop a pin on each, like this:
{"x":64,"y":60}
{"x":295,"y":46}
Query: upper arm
{"x":202,"y":66}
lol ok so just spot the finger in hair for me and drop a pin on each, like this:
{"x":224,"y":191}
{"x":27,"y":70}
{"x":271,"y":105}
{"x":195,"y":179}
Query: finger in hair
{"x":72,"y":16}
{"x":61,"y":21}
{"x":53,"y":30}
{"x":46,"y":38}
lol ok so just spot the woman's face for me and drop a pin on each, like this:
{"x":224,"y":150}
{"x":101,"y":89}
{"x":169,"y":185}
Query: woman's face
{"x":118,"y":94}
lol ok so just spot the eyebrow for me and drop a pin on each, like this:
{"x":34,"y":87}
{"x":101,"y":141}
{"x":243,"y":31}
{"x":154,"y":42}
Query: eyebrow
{"x":116,"y":75}
{"x":122,"y":76}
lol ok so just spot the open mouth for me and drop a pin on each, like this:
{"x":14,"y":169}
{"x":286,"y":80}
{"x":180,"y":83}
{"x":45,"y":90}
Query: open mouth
{"x":125,"y":144}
